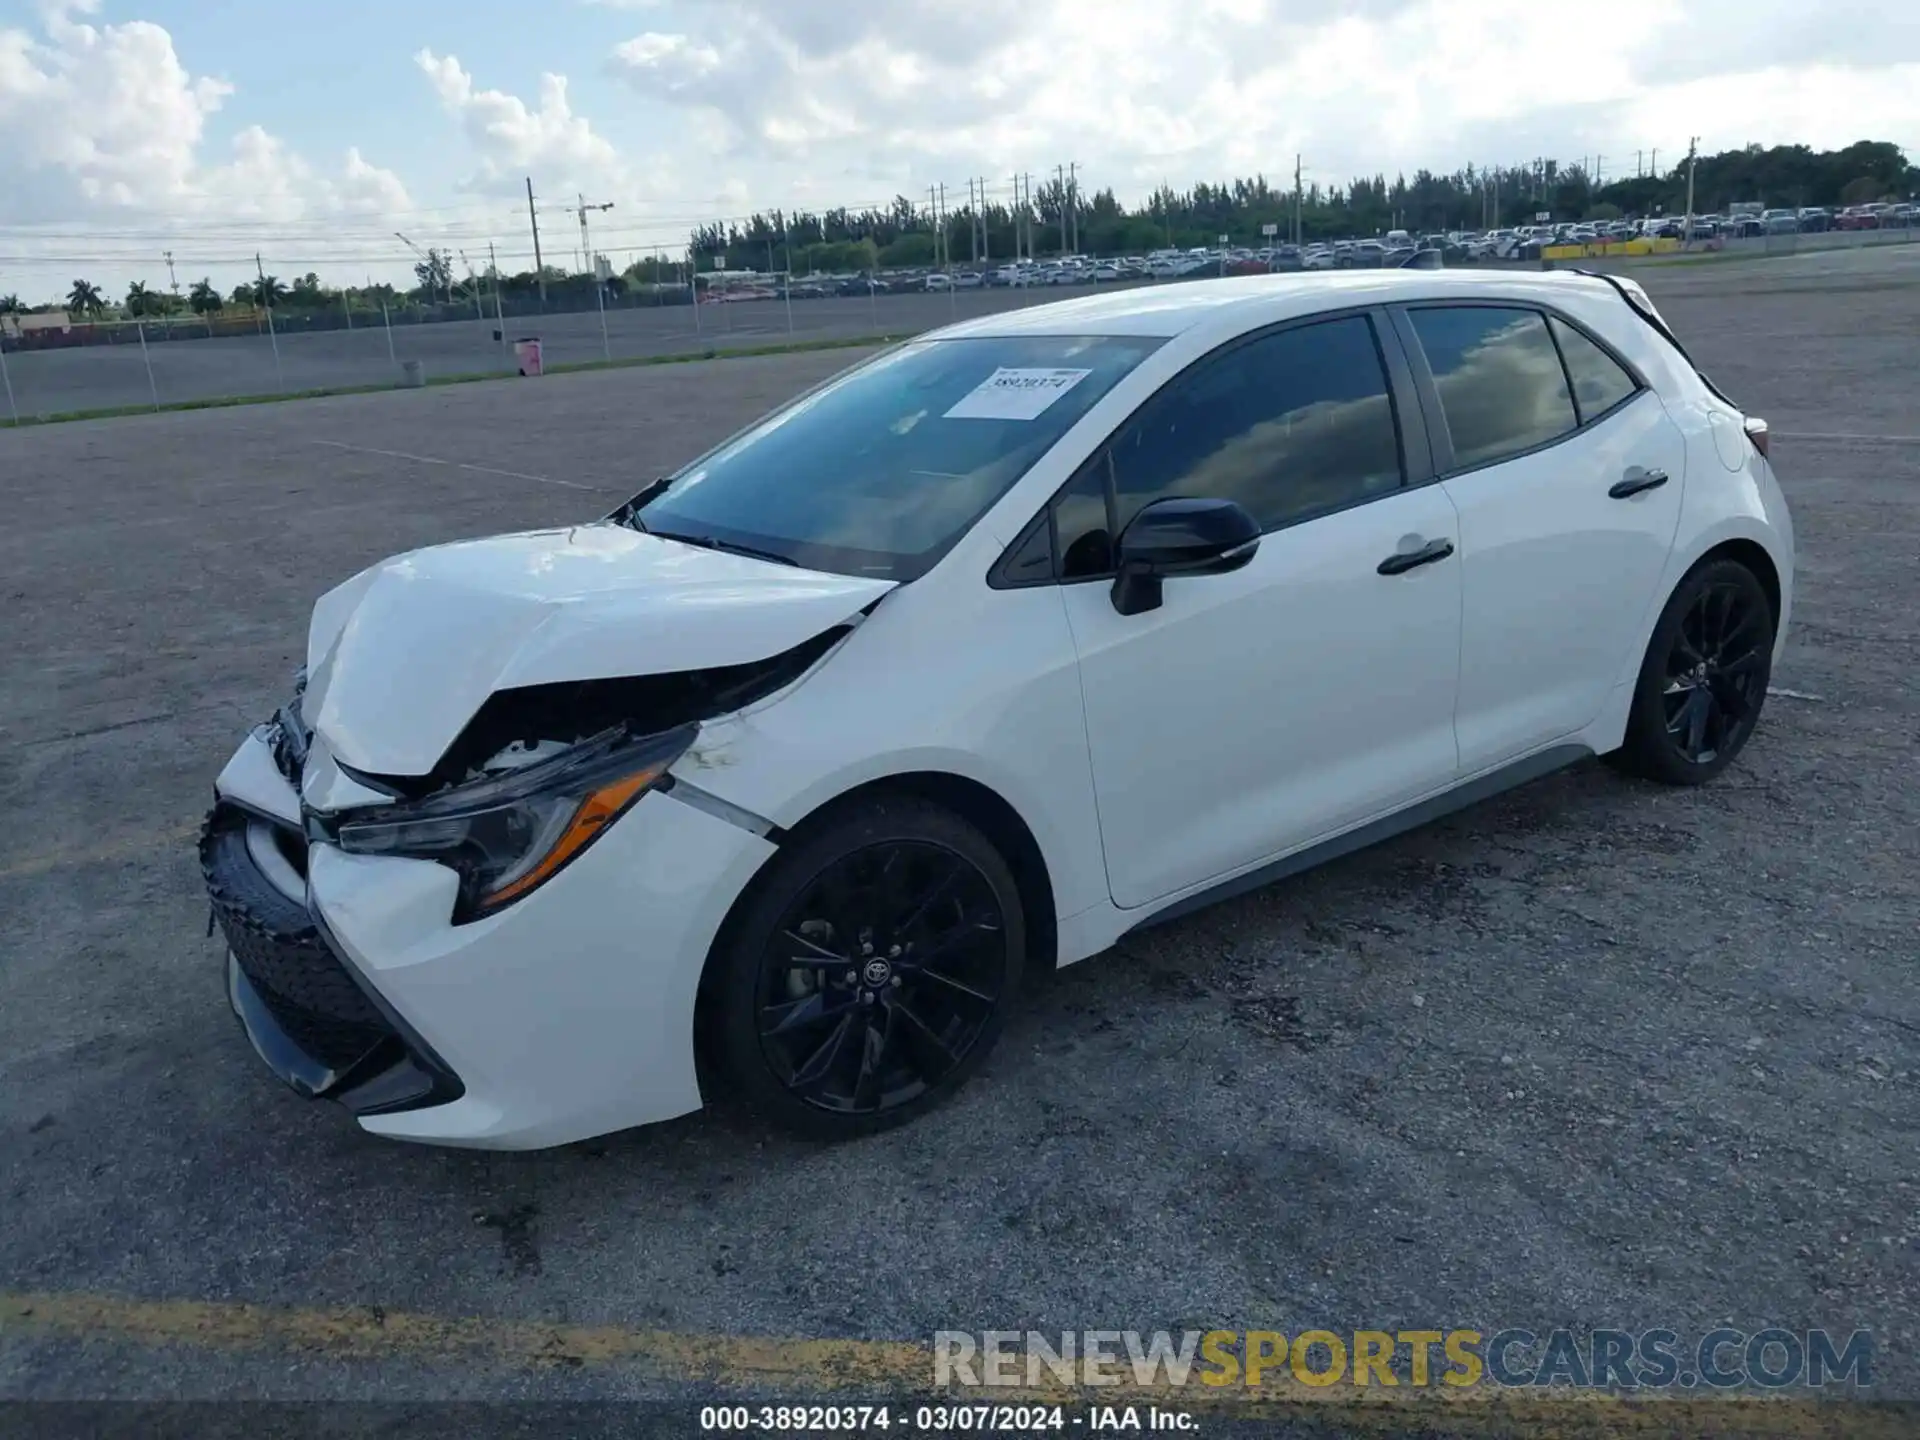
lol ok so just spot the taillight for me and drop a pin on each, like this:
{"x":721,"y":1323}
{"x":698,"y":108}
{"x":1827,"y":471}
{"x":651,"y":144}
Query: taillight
{"x":1756,"y":429}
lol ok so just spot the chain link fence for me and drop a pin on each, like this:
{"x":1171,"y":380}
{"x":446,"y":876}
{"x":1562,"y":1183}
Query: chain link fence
{"x":59,"y":368}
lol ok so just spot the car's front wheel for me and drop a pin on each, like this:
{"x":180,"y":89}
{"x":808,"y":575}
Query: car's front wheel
{"x":870,"y":969}
{"x":1704,"y":679}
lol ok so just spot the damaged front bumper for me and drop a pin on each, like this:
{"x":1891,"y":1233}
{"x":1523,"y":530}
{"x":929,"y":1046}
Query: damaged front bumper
{"x":566,"y":1014}
{"x":313,"y":1019}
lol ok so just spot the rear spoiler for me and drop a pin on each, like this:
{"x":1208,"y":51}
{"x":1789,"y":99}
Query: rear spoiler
{"x":1757,"y":431}
{"x":1638,"y":303}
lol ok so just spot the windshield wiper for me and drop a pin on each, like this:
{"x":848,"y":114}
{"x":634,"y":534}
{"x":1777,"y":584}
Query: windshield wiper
{"x":707,"y":542}
{"x":629,"y":512}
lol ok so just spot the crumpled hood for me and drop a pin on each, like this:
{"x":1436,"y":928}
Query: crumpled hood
{"x":401,"y":656}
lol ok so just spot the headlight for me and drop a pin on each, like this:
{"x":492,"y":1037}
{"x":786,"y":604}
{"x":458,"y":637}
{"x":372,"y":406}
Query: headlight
{"x":509,"y":835}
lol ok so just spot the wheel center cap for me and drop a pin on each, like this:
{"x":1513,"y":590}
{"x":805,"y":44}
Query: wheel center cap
{"x":876,"y":973}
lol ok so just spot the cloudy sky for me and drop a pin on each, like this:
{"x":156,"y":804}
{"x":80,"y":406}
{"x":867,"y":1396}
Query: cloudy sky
{"x":312,"y":132}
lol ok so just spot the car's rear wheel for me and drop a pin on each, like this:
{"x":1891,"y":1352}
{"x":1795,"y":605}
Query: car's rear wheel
{"x":1704,"y":680}
{"x":870,"y":970}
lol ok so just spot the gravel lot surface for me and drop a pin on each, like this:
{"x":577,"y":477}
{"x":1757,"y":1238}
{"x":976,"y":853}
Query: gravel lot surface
{"x":1595,"y":1053}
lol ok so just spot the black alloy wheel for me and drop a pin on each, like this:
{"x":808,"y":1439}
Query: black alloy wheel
{"x":1704,"y":681}
{"x":1709,"y":698}
{"x":873,"y":968}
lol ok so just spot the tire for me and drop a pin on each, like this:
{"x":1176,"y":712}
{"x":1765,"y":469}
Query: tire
{"x":908,"y":1033}
{"x":1718,"y":706}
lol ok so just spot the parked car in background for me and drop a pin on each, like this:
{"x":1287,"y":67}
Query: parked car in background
{"x":1780,"y":222}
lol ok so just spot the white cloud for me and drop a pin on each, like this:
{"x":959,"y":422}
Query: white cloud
{"x":105,"y":120}
{"x":1137,"y":91}
{"x":512,"y":139}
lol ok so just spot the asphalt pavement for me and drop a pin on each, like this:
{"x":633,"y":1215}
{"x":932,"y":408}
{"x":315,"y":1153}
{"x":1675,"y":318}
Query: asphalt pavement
{"x":1594,"y":1053}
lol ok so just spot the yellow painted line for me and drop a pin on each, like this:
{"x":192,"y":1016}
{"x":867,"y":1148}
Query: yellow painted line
{"x":372,"y":1333}
{"x":106,"y":852}
{"x":800,"y":1368}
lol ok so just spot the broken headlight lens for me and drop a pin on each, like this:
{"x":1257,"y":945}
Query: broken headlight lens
{"x":509,"y":834}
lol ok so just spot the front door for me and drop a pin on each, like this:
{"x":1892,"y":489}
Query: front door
{"x":1256,"y":711}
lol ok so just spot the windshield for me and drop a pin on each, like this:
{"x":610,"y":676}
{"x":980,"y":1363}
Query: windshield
{"x":881,"y":471}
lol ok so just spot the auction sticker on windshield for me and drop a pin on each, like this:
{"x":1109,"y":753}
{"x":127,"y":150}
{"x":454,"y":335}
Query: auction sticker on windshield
{"x":1015,"y":394}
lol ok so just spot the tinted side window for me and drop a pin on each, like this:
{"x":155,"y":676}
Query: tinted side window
{"x":1289,"y":425}
{"x":1599,"y":383}
{"x":1501,"y":386}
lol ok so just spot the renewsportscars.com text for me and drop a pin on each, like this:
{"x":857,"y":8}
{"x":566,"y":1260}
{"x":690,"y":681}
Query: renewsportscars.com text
{"x":1726,"y":1359}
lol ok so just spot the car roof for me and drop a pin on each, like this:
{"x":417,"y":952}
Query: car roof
{"x":1246,"y":302}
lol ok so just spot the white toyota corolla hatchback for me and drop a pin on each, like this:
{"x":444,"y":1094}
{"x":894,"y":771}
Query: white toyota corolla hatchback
{"x":1008,"y":641}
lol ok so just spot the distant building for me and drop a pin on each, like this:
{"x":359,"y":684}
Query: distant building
{"x":38,"y":320}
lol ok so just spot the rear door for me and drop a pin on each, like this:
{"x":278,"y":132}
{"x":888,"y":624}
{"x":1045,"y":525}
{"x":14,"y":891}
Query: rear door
{"x":1567,"y":475}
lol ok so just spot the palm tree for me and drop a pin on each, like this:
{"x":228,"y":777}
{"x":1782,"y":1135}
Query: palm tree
{"x":268,"y":291}
{"x":204,"y":298}
{"x":84,"y":299}
{"x":139,"y":299}
{"x":10,"y":305}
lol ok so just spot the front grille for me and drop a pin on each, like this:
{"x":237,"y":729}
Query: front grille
{"x":279,"y":949}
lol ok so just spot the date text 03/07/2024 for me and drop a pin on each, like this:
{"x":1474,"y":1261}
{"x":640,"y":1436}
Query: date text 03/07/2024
{"x":944,"y":1419}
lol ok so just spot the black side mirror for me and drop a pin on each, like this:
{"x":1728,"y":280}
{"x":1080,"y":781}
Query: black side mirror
{"x":1179,"y":537}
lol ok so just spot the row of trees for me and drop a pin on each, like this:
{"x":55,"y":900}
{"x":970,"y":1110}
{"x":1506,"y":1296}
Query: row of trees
{"x":85,"y":299}
{"x":907,"y":233}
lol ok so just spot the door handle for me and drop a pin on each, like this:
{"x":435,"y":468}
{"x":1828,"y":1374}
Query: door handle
{"x":1634,"y":481}
{"x":1402,"y":561}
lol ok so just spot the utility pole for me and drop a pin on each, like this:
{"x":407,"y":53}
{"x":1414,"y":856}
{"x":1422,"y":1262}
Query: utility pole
{"x":1060,"y":180}
{"x":1599,"y":161}
{"x":499,"y":314}
{"x":539,"y":266}
{"x":1016,"y":220}
{"x":1073,"y":203}
{"x":279,"y":378}
{"x":973,"y":220}
{"x":1653,"y":164}
{"x":1693,"y":151}
{"x":1298,"y":203}
{"x":173,"y":280}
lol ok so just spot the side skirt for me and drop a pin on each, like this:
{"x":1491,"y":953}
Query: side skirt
{"x":1472,"y":792}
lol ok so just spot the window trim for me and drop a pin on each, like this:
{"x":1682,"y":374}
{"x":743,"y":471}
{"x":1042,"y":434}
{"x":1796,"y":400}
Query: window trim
{"x":1440,"y":435}
{"x":1417,"y":467}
